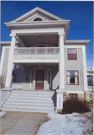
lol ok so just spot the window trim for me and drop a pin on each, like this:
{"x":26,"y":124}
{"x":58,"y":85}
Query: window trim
{"x":68,"y":75}
{"x":76,"y":53}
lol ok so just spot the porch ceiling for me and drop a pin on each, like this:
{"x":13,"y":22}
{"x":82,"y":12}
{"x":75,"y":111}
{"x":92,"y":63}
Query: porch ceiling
{"x":45,"y":39}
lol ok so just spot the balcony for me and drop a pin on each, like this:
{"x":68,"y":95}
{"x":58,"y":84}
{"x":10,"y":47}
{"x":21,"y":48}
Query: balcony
{"x":36,"y":54}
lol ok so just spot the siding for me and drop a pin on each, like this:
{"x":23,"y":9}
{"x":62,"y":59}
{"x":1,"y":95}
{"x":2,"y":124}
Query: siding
{"x":21,"y":75}
{"x":55,"y":77}
{"x":75,"y":65}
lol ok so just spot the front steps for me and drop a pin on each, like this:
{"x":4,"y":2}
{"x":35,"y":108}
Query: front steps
{"x":30,"y":101}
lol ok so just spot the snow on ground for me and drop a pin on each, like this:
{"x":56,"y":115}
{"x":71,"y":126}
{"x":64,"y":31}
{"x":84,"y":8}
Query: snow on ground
{"x":2,"y":113}
{"x":69,"y":124}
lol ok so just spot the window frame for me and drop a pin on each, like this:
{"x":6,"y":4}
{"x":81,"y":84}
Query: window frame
{"x":71,"y":75}
{"x":76,"y":53}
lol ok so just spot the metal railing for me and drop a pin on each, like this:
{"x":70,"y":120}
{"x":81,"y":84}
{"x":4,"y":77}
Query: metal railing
{"x":36,"y":50}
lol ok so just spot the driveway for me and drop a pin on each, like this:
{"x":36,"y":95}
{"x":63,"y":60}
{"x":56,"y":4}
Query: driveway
{"x":21,"y":122}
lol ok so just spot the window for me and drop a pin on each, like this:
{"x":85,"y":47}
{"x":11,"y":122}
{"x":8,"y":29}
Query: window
{"x":37,"y":19}
{"x":72,"y":96}
{"x":90,"y":80}
{"x":72,"y":53}
{"x":72,"y":77}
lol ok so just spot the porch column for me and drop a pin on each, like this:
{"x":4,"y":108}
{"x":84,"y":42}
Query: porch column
{"x":10,"y":61}
{"x":61,"y":60}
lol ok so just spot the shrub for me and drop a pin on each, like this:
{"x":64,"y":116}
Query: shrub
{"x":75,"y":105}
{"x":2,"y":81}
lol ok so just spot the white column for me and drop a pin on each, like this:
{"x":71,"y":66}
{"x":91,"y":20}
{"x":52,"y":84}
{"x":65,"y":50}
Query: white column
{"x":10,"y":61}
{"x":2,"y":60}
{"x":84,"y":68}
{"x":59,"y":103}
{"x":61,"y":60}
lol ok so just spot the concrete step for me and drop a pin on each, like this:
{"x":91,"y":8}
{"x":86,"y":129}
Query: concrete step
{"x":26,"y":97}
{"x":29,"y":100}
{"x":28,"y":107}
{"x":33,"y":92}
{"x":31,"y":95}
{"x":27,"y":110}
{"x":29,"y":104}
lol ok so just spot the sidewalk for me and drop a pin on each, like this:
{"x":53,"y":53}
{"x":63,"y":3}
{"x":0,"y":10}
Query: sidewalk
{"x":21,"y":123}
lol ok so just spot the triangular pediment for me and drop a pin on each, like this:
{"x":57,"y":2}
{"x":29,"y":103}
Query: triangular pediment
{"x":36,"y":13}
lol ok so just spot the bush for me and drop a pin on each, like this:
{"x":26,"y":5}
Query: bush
{"x":75,"y":105}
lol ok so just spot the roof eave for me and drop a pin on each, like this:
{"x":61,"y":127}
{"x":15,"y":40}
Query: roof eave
{"x":7,"y":43}
{"x":82,"y":42}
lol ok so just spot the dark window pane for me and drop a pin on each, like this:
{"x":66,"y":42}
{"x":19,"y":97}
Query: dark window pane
{"x":39,"y":77}
{"x":72,"y":57}
{"x":71,"y":96}
{"x":72,"y":80}
{"x":37,"y":19}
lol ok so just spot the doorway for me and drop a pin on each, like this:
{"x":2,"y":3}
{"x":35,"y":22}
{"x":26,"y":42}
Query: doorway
{"x":39,"y":84}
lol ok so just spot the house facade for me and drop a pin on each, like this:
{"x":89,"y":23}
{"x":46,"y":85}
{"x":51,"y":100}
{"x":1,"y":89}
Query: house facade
{"x":39,"y":57}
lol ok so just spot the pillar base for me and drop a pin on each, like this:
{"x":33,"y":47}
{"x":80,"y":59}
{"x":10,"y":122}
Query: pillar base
{"x":59,"y":104}
{"x":87,"y":96}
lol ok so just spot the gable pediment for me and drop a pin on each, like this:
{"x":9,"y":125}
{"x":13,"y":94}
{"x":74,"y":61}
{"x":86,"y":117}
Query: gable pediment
{"x":36,"y":13}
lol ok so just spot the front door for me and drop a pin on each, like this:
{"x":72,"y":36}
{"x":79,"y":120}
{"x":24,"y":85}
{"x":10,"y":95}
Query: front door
{"x":39,"y":79}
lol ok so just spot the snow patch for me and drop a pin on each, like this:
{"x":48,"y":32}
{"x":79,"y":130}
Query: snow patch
{"x":67,"y":124}
{"x":2,"y":113}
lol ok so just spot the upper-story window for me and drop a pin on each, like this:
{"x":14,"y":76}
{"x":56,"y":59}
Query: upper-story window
{"x":72,"y":53}
{"x":37,"y":19}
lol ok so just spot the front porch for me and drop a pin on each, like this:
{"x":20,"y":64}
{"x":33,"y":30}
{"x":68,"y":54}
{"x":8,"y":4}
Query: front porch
{"x":35,"y":76}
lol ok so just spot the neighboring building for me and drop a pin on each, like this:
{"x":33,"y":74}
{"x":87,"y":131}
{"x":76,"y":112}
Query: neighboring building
{"x":44,"y":59}
{"x":90,"y":79}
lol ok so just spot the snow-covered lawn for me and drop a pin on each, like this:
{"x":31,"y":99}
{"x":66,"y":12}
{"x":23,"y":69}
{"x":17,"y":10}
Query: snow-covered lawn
{"x":69,"y":124}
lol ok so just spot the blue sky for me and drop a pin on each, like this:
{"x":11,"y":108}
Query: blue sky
{"x":80,"y":13}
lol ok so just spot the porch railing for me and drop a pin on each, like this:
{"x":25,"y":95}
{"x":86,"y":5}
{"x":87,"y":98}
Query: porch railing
{"x":36,"y":50}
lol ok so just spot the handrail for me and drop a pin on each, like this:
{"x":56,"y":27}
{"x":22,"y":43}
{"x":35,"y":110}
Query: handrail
{"x":36,"y":50}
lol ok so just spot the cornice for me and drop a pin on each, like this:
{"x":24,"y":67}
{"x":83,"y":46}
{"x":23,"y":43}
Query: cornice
{"x":38,"y":23}
{"x":7,"y":43}
{"x":73,"y":42}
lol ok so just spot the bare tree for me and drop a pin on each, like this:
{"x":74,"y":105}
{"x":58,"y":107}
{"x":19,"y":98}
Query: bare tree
{"x":2,"y":81}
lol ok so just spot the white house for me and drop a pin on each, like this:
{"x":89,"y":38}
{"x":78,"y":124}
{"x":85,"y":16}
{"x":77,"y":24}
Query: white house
{"x":45,"y":63}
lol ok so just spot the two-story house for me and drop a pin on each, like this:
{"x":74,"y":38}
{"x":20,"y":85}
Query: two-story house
{"x":44,"y":62}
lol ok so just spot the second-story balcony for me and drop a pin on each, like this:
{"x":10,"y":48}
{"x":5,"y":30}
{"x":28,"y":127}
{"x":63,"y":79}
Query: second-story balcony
{"x":36,"y":54}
